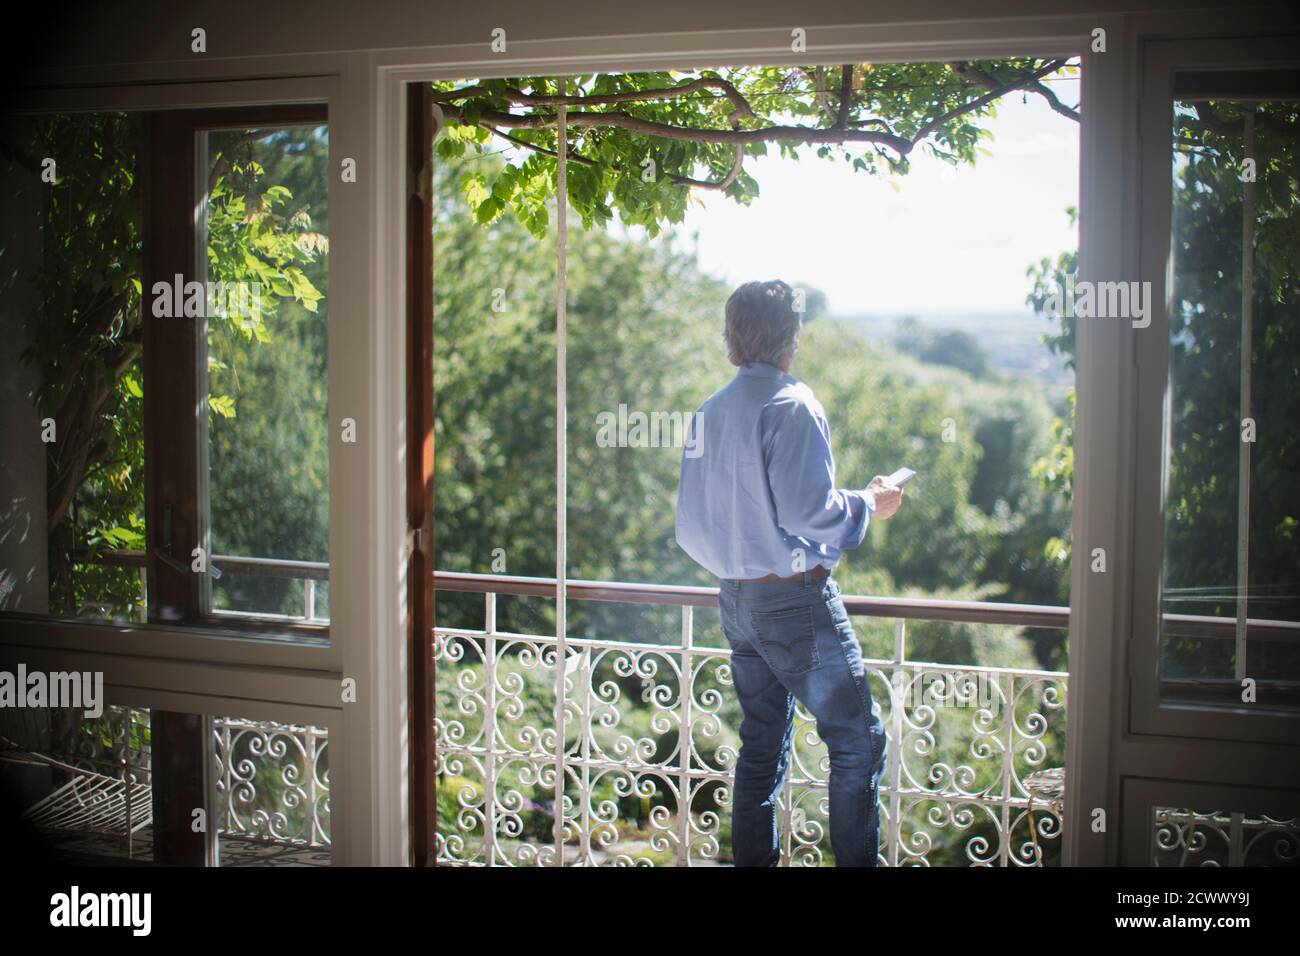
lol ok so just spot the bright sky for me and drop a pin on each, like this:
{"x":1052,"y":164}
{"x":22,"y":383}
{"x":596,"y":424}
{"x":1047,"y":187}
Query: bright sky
{"x":947,"y":241}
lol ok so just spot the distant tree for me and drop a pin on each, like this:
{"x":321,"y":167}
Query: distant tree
{"x":952,"y":347}
{"x":1055,"y":470}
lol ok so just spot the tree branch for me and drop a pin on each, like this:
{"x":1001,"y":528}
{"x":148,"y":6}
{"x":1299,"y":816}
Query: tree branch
{"x":846,"y":96}
{"x":818,"y":80}
{"x":844,"y":130}
{"x":78,"y":426}
{"x":723,"y":183}
{"x":672,"y":177}
{"x":740,"y":106}
{"x":573,"y":157}
{"x":619,"y":120}
{"x":975,"y":75}
{"x":997,"y":92}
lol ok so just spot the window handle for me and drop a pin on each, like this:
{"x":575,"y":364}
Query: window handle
{"x":166,"y":554}
{"x":414,"y":542}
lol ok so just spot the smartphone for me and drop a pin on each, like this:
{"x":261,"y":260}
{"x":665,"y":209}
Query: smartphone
{"x":901,"y":477}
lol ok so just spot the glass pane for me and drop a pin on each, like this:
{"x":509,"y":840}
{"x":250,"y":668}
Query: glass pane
{"x":72,"y":444}
{"x":84,"y":784}
{"x":1210,"y":435}
{"x":494,"y":398}
{"x":267,"y":271}
{"x":271,"y":792}
{"x":494,"y":514}
{"x":1274,"y":568}
{"x":86,"y":788}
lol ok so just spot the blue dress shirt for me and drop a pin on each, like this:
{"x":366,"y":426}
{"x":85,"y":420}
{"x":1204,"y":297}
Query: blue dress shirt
{"x":757,"y":494}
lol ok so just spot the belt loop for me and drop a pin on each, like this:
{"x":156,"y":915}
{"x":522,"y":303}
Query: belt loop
{"x":807,"y":578}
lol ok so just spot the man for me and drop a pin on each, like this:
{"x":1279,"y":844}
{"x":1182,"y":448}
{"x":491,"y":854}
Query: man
{"x":758,"y":507}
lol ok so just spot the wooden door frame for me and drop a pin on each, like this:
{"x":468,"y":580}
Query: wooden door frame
{"x":419,"y":466}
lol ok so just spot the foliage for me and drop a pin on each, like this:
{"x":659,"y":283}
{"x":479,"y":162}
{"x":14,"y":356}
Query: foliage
{"x":86,"y":347}
{"x":645,"y":332}
{"x":1055,"y":470}
{"x":640,"y":141}
{"x":274,"y":376}
{"x":88,"y":341}
{"x":953,"y":347}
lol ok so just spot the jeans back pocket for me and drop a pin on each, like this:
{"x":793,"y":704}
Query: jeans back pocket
{"x":788,"y":639}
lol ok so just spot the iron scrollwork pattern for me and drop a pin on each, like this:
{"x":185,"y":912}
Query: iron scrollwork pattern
{"x":272,"y":781}
{"x":650,"y":744}
{"x":1185,"y":837}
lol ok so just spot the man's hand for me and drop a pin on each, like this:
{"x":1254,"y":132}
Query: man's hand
{"x":888,"y":497}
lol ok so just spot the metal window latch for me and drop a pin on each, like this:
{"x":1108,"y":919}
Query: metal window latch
{"x":168,"y":559}
{"x":166,"y":553}
{"x":414,"y":542}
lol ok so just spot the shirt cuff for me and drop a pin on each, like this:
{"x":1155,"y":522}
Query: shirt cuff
{"x":870,"y":500}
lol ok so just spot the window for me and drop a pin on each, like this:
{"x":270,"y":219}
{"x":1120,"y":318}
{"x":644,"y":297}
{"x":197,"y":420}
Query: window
{"x":265,"y":246}
{"x":170,"y":460}
{"x":1231,"y":588}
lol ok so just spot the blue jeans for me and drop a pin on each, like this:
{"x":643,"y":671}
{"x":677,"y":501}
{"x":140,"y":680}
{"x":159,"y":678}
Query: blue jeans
{"x":793,"y":640}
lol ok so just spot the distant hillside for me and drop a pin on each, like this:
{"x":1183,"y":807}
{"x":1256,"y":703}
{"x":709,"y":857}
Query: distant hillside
{"x":974,"y":342}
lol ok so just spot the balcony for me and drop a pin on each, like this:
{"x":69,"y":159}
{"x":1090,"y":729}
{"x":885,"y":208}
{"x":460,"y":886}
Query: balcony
{"x":649,"y":730}
{"x":971,"y":748}
{"x":647,"y":781}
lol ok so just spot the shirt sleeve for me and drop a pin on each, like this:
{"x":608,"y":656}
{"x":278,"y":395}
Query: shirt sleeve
{"x":801,"y":476}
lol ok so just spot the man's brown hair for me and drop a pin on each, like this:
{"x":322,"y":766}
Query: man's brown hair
{"x":761,"y":323}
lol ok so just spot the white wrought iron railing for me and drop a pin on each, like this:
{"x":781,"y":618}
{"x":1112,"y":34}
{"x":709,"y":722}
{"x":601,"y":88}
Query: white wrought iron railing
{"x":1182,"y":837}
{"x":969,"y":777}
{"x":270,"y":780}
{"x":648,"y":782}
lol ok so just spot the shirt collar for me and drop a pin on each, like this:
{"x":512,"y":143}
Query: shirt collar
{"x":760,"y":369}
